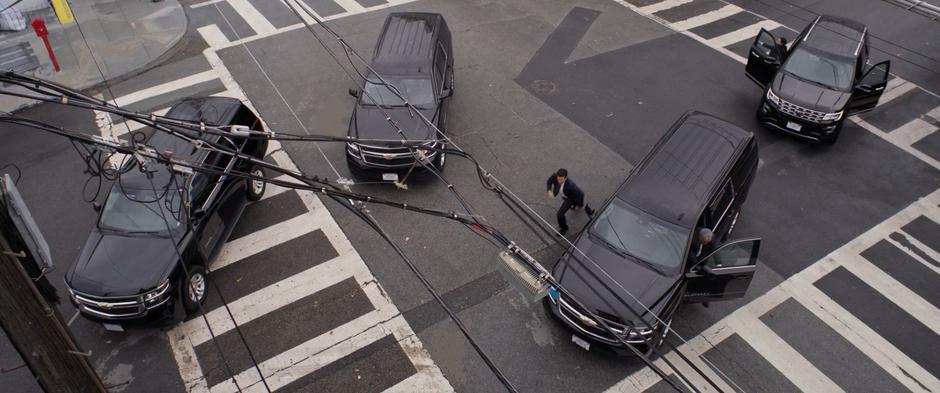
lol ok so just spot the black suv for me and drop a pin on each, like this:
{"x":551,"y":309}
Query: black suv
{"x":128,"y":268}
{"x":414,"y":54}
{"x":696,"y":177}
{"x":811,"y":88}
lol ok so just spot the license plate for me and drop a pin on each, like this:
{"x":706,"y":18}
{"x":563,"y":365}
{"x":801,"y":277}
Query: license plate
{"x":581,"y":342}
{"x":112,"y":327}
{"x":794,"y":126}
{"x":390,"y":176}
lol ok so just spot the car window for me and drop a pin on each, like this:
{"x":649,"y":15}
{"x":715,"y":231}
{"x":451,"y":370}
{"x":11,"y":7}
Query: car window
{"x":139,"y":211}
{"x":440,"y":62}
{"x":824,"y":70}
{"x":418,"y":91}
{"x":641,"y":235}
{"x":199,"y":190}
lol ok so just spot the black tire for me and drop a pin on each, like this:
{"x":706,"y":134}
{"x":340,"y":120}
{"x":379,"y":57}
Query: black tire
{"x":256,"y":187}
{"x":440,"y":160}
{"x":195,"y":288}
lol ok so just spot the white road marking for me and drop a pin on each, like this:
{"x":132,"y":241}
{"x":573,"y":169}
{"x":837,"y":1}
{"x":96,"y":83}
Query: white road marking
{"x":744,"y":33}
{"x":706,"y":18}
{"x":350,"y":5}
{"x":911,"y":132}
{"x":907,"y":148}
{"x":920,"y":246}
{"x":205,"y":3}
{"x":252,"y":16}
{"x":282,"y":232}
{"x":896,"y":87}
{"x":663,"y":5}
{"x":167,"y":87}
{"x":935,"y":113}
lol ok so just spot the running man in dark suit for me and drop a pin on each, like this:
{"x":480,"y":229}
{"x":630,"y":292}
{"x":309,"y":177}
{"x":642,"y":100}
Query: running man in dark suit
{"x":571,"y":194}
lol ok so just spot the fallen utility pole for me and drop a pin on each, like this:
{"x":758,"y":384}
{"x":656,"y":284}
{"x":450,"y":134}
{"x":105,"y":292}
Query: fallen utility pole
{"x":34,"y":326}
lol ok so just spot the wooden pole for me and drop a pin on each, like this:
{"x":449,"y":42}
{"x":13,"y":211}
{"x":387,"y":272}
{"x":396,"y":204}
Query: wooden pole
{"x":37,"y":330}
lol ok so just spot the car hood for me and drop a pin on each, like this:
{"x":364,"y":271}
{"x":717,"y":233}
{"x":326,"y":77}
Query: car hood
{"x":808,"y":95}
{"x":600,"y":294}
{"x":121,"y":265}
{"x":369,"y":123}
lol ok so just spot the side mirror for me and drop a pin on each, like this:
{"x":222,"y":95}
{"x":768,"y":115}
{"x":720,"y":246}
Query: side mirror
{"x":198,"y":214}
{"x":446,"y":93}
{"x":354,"y":92}
{"x":96,"y":206}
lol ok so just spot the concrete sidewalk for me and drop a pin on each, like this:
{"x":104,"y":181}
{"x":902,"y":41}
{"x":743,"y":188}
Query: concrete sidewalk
{"x":123,"y":37}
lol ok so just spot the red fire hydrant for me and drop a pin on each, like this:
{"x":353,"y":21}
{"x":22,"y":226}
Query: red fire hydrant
{"x":40,"y":27}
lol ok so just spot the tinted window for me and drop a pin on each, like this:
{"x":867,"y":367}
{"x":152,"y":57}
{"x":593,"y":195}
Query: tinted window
{"x":823,"y":70}
{"x":641,"y":235}
{"x":136,"y":211}
{"x":418,"y":91}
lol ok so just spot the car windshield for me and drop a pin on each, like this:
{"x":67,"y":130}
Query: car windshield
{"x":641,"y":235}
{"x":135,"y":211}
{"x":823,"y":70}
{"x":417,"y":91}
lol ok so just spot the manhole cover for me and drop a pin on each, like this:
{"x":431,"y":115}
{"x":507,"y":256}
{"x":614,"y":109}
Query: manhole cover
{"x":544,"y":87}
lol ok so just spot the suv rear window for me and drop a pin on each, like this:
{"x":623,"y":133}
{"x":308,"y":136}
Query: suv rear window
{"x":833,"y":73}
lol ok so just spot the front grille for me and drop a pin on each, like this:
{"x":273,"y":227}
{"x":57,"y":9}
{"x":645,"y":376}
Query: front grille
{"x":110,"y":307}
{"x":801,"y":112}
{"x":573,"y":315}
{"x":387,"y":156}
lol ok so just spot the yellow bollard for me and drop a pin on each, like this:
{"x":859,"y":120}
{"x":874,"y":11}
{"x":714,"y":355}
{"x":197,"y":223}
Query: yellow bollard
{"x":63,"y":11}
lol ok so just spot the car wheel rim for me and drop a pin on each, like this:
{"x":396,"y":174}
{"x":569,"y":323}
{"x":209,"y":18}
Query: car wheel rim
{"x":443,"y":157}
{"x":257,"y":185}
{"x":197,"y":287}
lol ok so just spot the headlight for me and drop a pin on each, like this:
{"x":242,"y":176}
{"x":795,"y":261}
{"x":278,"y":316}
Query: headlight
{"x":773,"y":97}
{"x":352,"y":147}
{"x":156,"y":295}
{"x":832,"y":116}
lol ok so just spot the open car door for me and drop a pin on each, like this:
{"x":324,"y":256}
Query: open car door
{"x":763,"y":60}
{"x":725,"y":273}
{"x":869,"y":89}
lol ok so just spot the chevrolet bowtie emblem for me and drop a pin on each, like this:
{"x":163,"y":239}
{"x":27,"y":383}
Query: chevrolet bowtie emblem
{"x":106,"y":306}
{"x":388,"y":156}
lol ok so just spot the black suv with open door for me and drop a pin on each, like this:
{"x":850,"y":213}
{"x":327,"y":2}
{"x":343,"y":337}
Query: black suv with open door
{"x":823,"y":78}
{"x":639,"y":257}
{"x":129,"y":267}
{"x":413,"y":54}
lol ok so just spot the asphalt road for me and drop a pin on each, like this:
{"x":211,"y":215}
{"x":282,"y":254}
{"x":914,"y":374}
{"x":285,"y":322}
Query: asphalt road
{"x":590,"y":86}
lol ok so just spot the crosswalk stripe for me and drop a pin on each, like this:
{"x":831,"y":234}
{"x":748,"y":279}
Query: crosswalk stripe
{"x":253,"y":17}
{"x":782,"y":356}
{"x":911,"y":132}
{"x":706,"y":18}
{"x":264,"y":239}
{"x":896,"y":87}
{"x":272,"y":297}
{"x":153,"y":91}
{"x":907,"y":148}
{"x":274,"y":190}
{"x":748,"y":32}
{"x":662,"y":6}
{"x":892,"y":360}
{"x":290,"y":365}
{"x":350,"y":5}
{"x":890,"y":288}
{"x":920,"y":246}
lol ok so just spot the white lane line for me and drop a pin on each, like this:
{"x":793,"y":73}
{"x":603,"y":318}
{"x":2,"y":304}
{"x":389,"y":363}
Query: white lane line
{"x":744,"y":33}
{"x":253,"y":17}
{"x":274,"y":190}
{"x":782,"y":356}
{"x":880,"y":351}
{"x":920,"y":246}
{"x":907,"y":148}
{"x":429,"y":377}
{"x":706,"y":18}
{"x":266,"y":238}
{"x":350,"y":5}
{"x":893,"y":290}
{"x":291,"y":365}
{"x":896,"y":87}
{"x":935,"y":113}
{"x":662,"y":6}
{"x":205,"y":3}
{"x":167,"y":87}
{"x":911,"y":132}
{"x":272,"y":297}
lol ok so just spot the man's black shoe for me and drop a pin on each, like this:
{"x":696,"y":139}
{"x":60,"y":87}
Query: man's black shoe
{"x":562,"y":231}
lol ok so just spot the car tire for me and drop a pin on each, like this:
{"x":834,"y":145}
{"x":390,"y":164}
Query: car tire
{"x":256,"y":188}
{"x":195,"y":288}
{"x":441,"y":159}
